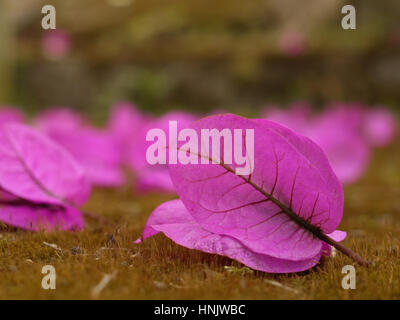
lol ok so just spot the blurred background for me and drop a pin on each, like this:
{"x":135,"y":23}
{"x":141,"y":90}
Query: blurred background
{"x":113,"y":69}
{"x":197,"y":55}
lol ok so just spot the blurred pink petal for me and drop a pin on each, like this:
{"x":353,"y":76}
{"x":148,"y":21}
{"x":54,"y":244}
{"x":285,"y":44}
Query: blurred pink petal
{"x":35,"y":168}
{"x":10,"y":114}
{"x":345,"y":131}
{"x":104,"y":175}
{"x":292,"y":43}
{"x":347,"y":152}
{"x":59,"y":118}
{"x":56,"y":44}
{"x":35,"y":218}
{"x":96,"y":151}
{"x":150,"y":180}
{"x":124,"y":125}
{"x":139,"y":147}
{"x":39,"y":181}
{"x":297,"y":116}
{"x":346,"y":116}
{"x":380,"y":127}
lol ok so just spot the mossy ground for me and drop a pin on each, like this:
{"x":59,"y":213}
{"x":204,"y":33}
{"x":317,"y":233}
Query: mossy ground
{"x":159,"y":269}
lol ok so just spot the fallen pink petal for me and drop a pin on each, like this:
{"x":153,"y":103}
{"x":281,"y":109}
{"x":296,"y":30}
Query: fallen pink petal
{"x":265,"y":219}
{"x":56,"y":44}
{"x":173,"y":219}
{"x":9,"y":114}
{"x":155,"y":177}
{"x":95,"y":149}
{"x":44,"y":176}
{"x":124,"y":124}
{"x":380,"y":127}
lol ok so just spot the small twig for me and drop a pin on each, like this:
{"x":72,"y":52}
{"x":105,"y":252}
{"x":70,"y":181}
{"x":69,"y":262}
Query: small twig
{"x":348,"y":252}
{"x":102,"y":284}
{"x":52,"y":245}
{"x":280,"y":285}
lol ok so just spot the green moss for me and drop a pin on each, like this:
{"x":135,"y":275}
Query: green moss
{"x":159,"y":269}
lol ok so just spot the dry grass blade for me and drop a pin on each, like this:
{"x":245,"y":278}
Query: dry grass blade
{"x":95,"y":292}
{"x":280,"y":285}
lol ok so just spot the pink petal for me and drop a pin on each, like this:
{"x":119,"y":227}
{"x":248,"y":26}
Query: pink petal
{"x":59,"y":118}
{"x":103,"y":174}
{"x":297,"y":117}
{"x":338,"y":236}
{"x":139,"y":146}
{"x":154,"y":180}
{"x":347,"y":152}
{"x":173,"y":219}
{"x":294,"y":170}
{"x":380,"y":127}
{"x":292,"y":43}
{"x":35,"y":168}
{"x":37,"y":218}
{"x":56,"y":43}
{"x":124,"y":125}
{"x":95,"y":149}
{"x":10,"y":114}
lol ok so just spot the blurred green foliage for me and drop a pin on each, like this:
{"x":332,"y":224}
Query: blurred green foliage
{"x":202,"y":54}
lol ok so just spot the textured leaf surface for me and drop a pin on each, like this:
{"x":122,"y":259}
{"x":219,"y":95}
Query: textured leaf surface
{"x":35,"y":168}
{"x":291,"y":173}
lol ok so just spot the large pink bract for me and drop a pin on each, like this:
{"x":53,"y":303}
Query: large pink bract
{"x":41,"y":183}
{"x":243,"y":217}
